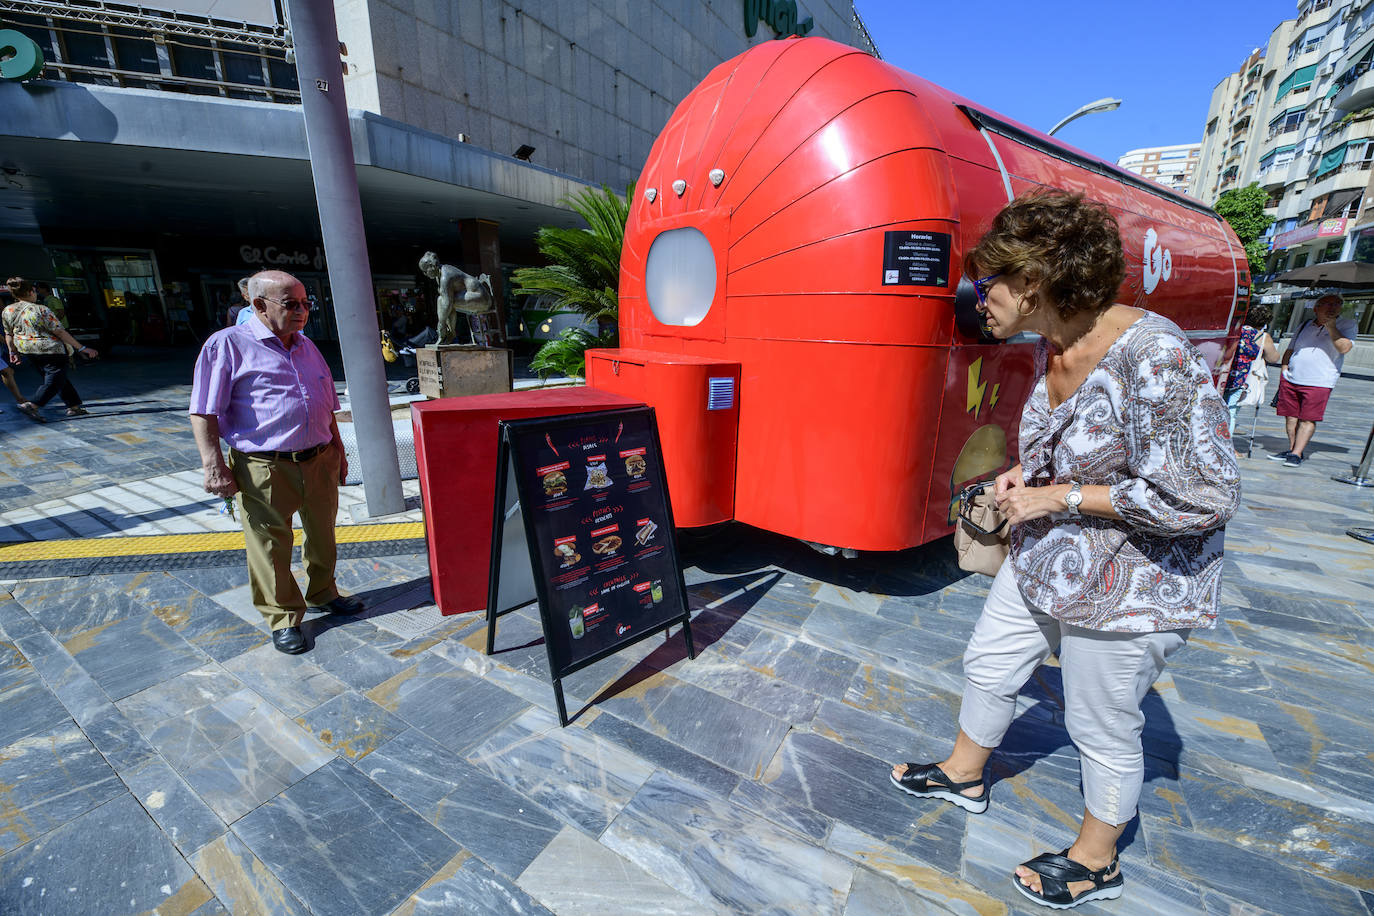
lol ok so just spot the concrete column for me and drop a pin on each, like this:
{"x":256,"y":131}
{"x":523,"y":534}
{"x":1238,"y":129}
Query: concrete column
{"x":482,"y":252}
{"x":314,"y":32}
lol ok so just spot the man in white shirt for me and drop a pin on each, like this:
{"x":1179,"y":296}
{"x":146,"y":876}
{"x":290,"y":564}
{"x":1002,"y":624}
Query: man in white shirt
{"x":1311,"y":366}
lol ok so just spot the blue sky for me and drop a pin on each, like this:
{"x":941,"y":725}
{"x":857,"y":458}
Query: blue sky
{"x":1036,"y":62}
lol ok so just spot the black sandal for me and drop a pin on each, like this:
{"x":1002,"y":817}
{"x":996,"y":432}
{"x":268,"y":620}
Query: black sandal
{"x":1057,"y":870}
{"x":927,"y":780}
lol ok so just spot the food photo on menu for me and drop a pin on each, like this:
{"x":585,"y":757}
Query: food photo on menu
{"x":607,"y":545}
{"x":575,"y":621}
{"x":645,"y":532}
{"x":565,"y":549}
{"x":635,"y":465}
{"x":554,"y":481}
{"x":597,"y":476}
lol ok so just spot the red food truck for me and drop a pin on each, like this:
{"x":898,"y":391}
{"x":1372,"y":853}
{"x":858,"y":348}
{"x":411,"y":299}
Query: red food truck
{"x":792,"y":304}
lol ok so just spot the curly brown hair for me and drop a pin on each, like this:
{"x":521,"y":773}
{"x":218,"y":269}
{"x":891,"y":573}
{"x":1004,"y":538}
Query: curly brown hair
{"x":1067,"y":246}
{"x":1259,"y":316}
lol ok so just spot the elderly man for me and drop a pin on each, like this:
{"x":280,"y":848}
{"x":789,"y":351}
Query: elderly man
{"x":265,"y":389}
{"x":1311,"y":367}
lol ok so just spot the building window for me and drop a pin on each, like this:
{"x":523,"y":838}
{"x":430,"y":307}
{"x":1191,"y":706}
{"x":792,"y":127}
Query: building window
{"x":88,"y":43}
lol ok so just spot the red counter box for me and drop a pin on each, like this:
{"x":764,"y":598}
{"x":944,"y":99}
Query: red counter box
{"x":456,"y":450}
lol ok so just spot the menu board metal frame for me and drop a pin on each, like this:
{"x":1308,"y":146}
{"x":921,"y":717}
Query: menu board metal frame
{"x":516,"y":462}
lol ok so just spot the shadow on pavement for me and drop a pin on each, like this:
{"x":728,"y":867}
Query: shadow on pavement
{"x":709,"y":625}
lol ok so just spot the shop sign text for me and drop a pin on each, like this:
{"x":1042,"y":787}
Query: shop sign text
{"x":1310,"y":231}
{"x":781,"y":16}
{"x":272,"y":256}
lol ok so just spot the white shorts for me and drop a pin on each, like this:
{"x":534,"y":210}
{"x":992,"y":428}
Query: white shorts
{"x":1106,"y":676}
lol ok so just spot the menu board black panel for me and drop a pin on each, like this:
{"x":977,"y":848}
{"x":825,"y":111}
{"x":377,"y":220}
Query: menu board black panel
{"x":599,"y":529}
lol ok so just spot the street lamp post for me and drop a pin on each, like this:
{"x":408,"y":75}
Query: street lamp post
{"x":1100,"y":105}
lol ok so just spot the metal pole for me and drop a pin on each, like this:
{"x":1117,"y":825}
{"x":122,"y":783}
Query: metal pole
{"x":314,"y":31}
{"x":1361,"y":476}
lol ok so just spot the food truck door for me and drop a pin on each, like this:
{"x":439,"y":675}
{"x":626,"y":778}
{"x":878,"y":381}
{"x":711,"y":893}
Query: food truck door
{"x":697,"y":403}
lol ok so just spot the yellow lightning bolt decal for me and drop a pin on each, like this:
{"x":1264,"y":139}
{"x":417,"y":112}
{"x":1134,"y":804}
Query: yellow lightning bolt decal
{"x":975,"y":387}
{"x":992,"y":401}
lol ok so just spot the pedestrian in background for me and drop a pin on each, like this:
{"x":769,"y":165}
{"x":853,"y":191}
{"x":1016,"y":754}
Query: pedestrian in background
{"x":264,"y":388}
{"x":242,"y":310}
{"x":33,"y":332}
{"x":54,"y":304}
{"x":26,"y":407}
{"x":1254,"y":343}
{"x":1116,"y":511}
{"x":1311,"y":368}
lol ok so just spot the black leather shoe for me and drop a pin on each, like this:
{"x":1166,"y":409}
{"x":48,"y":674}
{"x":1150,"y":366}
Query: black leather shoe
{"x":344,"y":604}
{"x":289,"y":640}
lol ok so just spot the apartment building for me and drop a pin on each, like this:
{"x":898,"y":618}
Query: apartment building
{"x":1298,"y":118}
{"x":1171,"y":166}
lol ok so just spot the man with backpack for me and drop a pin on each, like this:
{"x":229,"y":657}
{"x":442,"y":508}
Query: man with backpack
{"x":1311,"y":366}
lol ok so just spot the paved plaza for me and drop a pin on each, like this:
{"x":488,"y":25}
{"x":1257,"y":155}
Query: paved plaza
{"x":158,"y":755}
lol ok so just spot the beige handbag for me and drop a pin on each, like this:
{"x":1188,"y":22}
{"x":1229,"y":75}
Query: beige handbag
{"x":981,"y":534}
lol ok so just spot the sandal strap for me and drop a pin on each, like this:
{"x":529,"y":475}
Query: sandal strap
{"x":1057,"y":870}
{"x":931,"y":773}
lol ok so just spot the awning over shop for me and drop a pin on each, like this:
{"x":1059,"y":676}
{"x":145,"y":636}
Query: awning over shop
{"x":1343,"y":274}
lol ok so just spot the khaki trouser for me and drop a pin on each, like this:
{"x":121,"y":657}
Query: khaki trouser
{"x":270,"y":492}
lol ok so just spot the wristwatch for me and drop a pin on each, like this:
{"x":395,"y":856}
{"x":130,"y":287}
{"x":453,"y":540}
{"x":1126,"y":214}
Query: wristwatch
{"x":1074,"y":498}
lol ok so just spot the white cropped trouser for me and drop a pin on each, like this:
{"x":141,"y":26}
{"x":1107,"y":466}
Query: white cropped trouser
{"x":1106,"y":676}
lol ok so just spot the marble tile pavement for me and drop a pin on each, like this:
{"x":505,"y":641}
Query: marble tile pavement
{"x":156,"y":755}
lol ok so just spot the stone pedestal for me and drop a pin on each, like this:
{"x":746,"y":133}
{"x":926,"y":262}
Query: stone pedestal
{"x":452,"y":371}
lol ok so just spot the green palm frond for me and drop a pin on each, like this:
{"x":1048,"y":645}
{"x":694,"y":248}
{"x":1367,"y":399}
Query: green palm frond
{"x":566,"y":354}
{"x":582,"y":276}
{"x":583,"y":273}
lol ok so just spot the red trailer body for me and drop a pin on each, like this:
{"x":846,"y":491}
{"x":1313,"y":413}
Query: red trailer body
{"x":791,"y":299}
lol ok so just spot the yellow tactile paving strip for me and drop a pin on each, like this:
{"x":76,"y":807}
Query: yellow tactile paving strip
{"x":159,"y":544}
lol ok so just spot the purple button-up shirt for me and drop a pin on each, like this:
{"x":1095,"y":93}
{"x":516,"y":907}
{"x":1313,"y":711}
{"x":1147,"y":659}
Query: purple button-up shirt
{"x":267,"y":398}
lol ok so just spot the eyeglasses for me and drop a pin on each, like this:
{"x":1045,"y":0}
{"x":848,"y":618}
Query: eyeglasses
{"x":980,"y":287}
{"x":294,"y":305}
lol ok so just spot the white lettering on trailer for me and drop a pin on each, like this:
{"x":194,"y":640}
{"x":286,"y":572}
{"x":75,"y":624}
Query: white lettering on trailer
{"x":1158,"y":261}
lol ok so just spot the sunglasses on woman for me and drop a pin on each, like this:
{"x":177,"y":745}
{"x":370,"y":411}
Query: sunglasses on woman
{"x":980,"y":287}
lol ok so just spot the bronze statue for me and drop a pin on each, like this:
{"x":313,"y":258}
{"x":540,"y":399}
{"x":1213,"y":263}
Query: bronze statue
{"x":458,"y":292}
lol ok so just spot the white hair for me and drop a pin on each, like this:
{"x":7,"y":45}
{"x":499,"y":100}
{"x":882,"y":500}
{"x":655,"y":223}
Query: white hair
{"x":264,"y":282}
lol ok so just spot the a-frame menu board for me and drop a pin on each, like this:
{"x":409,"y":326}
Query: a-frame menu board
{"x":599,"y":528}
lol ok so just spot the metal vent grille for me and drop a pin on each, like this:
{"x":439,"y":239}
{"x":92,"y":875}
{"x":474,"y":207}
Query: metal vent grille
{"x":721,"y":393}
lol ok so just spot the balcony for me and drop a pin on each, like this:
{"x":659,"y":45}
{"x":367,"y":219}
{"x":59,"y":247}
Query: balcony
{"x":1357,"y":94}
{"x":1274,"y":177}
{"x":1349,"y":175}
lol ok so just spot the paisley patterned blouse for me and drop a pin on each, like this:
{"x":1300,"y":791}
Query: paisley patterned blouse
{"x":1148,"y":423}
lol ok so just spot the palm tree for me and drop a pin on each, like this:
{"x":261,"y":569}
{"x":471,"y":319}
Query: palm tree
{"x":582,"y":276}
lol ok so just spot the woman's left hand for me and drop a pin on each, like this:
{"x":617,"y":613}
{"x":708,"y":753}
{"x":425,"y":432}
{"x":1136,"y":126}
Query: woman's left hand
{"x":1025,"y":503}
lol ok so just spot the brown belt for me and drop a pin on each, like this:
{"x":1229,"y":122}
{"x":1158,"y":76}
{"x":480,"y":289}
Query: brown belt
{"x":304,"y":454}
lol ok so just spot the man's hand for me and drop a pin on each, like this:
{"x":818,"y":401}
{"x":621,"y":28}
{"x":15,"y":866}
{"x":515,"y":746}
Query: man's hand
{"x":219,"y":480}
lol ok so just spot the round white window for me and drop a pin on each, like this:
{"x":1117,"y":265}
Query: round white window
{"x":680,"y":277}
